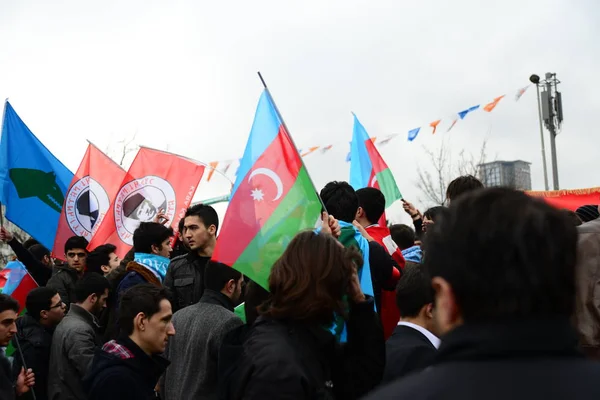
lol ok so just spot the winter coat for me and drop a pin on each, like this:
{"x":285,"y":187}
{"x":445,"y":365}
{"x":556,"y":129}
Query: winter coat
{"x":7,"y":390}
{"x":122,"y":371}
{"x":40,"y":272}
{"x":185,"y":279}
{"x":73,"y":345}
{"x":136,"y":274}
{"x":517,"y":360}
{"x":63,"y":281}
{"x":35,"y":341}
{"x":285,"y":360}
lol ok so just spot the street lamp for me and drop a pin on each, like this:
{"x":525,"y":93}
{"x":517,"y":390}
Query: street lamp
{"x":535,"y":79}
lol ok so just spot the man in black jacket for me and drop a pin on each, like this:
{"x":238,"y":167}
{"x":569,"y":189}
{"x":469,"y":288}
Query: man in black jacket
{"x":503,"y":270}
{"x":45,"y":310}
{"x":412,"y":346}
{"x":129,"y":368}
{"x":185,"y":276}
{"x":65,"y":277}
{"x":36,"y":259}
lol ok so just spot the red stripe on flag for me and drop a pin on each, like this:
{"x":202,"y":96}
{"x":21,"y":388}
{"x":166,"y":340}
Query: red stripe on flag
{"x":376,"y":159}
{"x":20,"y":293}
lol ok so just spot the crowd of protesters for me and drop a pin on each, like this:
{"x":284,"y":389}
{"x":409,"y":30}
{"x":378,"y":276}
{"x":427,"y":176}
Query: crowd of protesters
{"x":495,"y":295}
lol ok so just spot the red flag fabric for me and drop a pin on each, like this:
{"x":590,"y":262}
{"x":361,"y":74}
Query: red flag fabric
{"x":569,"y":199}
{"x":87,"y":201}
{"x":156,"y":180}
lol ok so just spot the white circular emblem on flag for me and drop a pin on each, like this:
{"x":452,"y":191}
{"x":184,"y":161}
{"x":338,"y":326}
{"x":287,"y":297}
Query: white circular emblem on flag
{"x":140,"y":201}
{"x":86,"y":204}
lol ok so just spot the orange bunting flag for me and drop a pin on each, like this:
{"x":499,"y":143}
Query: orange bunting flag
{"x":490,"y":106}
{"x":434,"y":125}
{"x":213,"y":167}
{"x":310,"y":150}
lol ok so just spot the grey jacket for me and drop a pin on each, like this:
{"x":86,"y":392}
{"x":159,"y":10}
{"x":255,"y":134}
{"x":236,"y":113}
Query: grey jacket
{"x":185,"y":279}
{"x":73,"y":346}
{"x":63,"y":280}
{"x":193,"y":351}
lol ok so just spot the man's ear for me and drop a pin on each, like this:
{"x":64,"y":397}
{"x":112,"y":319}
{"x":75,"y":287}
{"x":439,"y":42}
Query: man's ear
{"x":212,"y":230}
{"x":139,"y":322}
{"x":447,"y":311}
{"x":105,"y":268}
{"x":154,"y":248}
{"x":359,"y":213}
{"x":230,"y":286}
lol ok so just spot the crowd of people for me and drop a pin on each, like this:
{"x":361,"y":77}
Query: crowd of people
{"x":494,"y":295}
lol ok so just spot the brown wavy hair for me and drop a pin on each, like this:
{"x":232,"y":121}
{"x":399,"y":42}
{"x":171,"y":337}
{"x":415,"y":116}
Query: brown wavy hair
{"x":309,"y":281}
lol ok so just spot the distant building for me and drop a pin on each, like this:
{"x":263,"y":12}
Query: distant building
{"x":512,"y":174}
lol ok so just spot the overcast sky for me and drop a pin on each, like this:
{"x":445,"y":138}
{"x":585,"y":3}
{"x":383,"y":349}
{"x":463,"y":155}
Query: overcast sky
{"x":182,"y":74}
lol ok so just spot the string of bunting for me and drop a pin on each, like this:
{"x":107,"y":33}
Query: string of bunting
{"x":224,"y":166}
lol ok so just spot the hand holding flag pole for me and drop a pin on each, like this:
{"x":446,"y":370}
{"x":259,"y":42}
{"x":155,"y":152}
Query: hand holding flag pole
{"x":23,"y":363}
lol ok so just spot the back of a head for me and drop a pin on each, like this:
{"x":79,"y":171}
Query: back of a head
{"x":92,"y":283}
{"x":144,"y":298}
{"x":8,"y":303}
{"x":38,"y":300}
{"x":433,"y":213}
{"x":39,"y":251}
{"x":216,"y":275}
{"x":341,"y":200}
{"x":461,"y":185}
{"x":254,"y":297}
{"x":403,"y":235}
{"x":76,"y":242}
{"x":372,"y":201}
{"x":308,"y":282}
{"x":206,"y":213}
{"x":506,"y":256}
{"x":572,"y":215}
{"x":413,"y":290}
{"x":99,"y":256}
{"x":148,"y":234}
{"x":30,"y":242}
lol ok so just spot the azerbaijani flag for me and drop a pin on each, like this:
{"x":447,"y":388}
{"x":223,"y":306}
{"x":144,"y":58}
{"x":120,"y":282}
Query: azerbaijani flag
{"x":16,"y":282}
{"x":272,"y":200}
{"x":367,"y":168}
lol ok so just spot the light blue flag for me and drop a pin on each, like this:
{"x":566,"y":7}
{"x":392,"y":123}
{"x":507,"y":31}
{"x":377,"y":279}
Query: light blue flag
{"x":464,"y":113}
{"x":33,"y":182}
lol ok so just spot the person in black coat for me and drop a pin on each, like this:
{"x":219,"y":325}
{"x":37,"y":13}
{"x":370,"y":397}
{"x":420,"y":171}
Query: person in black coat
{"x":503,"y":270}
{"x":412,"y":345}
{"x":290,"y":352}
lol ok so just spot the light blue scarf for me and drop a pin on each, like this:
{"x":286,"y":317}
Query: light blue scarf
{"x":155,"y":263}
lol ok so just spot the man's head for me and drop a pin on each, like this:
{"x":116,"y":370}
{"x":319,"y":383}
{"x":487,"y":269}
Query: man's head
{"x":145,"y":316}
{"x":103,"y":259}
{"x":201,"y":223}
{"x":45,"y":305}
{"x":371,"y":206}
{"x":462,"y":185}
{"x":8,"y":316}
{"x":91,"y":292}
{"x":222,"y":278}
{"x":403,"y":235}
{"x":76,"y":252}
{"x":499,"y":254}
{"x":30,"y":242}
{"x":341,"y":200}
{"x":152,"y":238}
{"x":41,"y":254}
{"x":414,"y":296}
{"x":140,"y":208}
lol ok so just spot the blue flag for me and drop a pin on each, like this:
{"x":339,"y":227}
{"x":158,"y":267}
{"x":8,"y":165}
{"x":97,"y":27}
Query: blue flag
{"x":33,"y":182}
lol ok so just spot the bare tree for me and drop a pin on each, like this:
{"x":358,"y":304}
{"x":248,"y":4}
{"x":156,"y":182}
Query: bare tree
{"x":121,"y":149}
{"x":433,"y":181}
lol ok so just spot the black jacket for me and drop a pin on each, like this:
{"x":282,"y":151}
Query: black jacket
{"x":132,"y":375}
{"x":407,"y":350}
{"x":7,"y":390}
{"x":286,"y":360}
{"x":382,"y":265}
{"x":63,"y":281}
{"x":518,"y":360}
{"x":35,"y":341}
{"x":39,"y":271}
{"x":185,"y":279}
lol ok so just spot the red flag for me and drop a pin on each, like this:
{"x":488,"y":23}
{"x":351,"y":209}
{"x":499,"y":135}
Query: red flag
{"x":87,"y":201}
{"x":156,"y":180}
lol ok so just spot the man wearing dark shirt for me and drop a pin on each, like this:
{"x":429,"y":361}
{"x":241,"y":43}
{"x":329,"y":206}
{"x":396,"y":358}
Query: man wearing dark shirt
{"x":37,"y":259}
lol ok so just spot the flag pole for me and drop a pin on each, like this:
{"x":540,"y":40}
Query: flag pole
{"x":291,"y":138}
{"x":23,"y":362}
{"x":1,"y":132}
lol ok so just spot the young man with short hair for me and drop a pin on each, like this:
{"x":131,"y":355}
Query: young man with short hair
{"x":65,"y":277}
{"x":200,"y":331}
{"x":45,"y":310}
{"x":185,"y":276}
{"x":129,"y":368}
{"x":75,"y":339}
{"x":103,"y":259}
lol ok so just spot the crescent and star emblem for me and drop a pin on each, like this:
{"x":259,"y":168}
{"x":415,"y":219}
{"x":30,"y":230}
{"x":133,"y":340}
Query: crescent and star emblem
{"x":258,"y":194}
{"x":373,"y":181}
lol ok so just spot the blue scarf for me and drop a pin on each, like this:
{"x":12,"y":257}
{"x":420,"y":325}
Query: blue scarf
{"x":155,"y":263}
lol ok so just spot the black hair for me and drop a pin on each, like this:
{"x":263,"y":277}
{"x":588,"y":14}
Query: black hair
{"x":506,"y":255}
{"x":403,"y":235}
{"x":206,"y":213}
{"x":413,"y":290}
{"x":341,"y":200}
{"x":148,"y":234}
{"x":254,"y":296}
{"x":461,"y":185}
{"x":143,"y":298}
{"x":99,"y":256}
{"x":372,"y":202}
{"x":38,"y":300}
{"x":91,"y":283}
{"x":76,"y":242}
{"x":216,"y":275}
{"x":8,"y":303}
{"x":434,"y":213}
{"x":30,"y":242}
{"x":39,"y":251}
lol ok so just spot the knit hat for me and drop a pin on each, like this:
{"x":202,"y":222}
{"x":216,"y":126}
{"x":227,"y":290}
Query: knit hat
{"x":588,"y":213}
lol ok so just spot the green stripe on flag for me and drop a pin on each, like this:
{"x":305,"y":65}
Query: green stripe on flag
{"x":299,"y":210}
{"x":240,"y":311}
{"x":387,"y":185}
